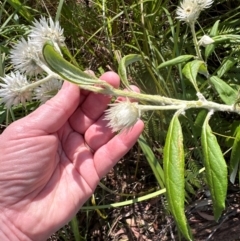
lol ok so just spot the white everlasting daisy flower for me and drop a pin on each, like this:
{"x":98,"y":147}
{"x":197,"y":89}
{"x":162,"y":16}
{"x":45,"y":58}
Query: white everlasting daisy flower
{"x":205,"y":40}
{"x":203,"y":4}
{"x":122,"y":115}
{"x":11,"y":92}
{"x":44,"y":30}
{"x":24,"y":57}
{"x":189,"y":10}
{"x":47,"y":90}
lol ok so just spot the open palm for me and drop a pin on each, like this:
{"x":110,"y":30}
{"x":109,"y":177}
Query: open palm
{"x":52,"y":160}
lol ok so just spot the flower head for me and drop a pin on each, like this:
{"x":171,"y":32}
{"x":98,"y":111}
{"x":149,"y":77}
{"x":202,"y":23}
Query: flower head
{"x":47,"y":90}
{"x":122,"y":115}
{"x":205,"y":40}
{"x":44,"y":30}
{"x":11,"y":92}
{"x":189,"y":10}
{"x":24,"y":57}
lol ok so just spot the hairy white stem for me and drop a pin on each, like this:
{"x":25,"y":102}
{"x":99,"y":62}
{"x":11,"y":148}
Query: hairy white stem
{"x":165,"y":103}
{"x":39,"y":82}
{"x":161,"y":102}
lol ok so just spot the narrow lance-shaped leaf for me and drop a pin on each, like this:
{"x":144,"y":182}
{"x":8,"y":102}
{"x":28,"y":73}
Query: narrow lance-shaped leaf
{"x":201,"y":116}
{"x":227,"y":64}
{"x":173,"y":163}
{"x":191,"y":70}
{"x":1,"y":63}
{"x":235,"y":157}
{"x":226,"y":92}
{"x":68,"y":56}
{"x":215,"y":167}
{"x":175,"y":61}
{"x":210,"y":48}
{"x":124,"y":62}
{"x":66,"y":70}
{"x":234,"y":38}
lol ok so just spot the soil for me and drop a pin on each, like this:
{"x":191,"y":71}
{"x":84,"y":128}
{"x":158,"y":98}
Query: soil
{"x":150,"y":220}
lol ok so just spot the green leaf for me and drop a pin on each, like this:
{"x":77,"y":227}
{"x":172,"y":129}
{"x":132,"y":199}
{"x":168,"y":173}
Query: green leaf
{"x":215,"y":167}
{"x":122,"y":68}
{"x":175,"y":61}
{"x":66,"y":70}
{"x":3,"y":113}
{"x":214,"y":31}
{"x":2,"y":60}
{"x":228,"y":63}
{"x":191,"y":70}
{"x":235,"y":157}
{"x":227,"y":94}
{"x":19,"y":7}
{"x":199,"y":122}
{"x":233,"y":38}
{"x":68,"y":56}
{"x":173,"y":163}
{"x":203,"y":70}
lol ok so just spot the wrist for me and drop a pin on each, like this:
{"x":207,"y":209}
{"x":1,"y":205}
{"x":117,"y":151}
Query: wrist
{"x":9,"y":232}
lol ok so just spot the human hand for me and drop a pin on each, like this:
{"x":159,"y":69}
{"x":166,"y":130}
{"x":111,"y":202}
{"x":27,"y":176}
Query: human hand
{"x":53,"y":159}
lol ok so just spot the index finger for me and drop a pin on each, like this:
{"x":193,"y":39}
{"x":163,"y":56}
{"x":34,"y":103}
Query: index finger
{"x":93,"y":106}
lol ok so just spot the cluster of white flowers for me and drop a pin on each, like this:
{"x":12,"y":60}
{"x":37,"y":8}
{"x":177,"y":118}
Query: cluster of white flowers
{"x":189,"y":10}
{"x":26,"y":55}
{"x":26,"y":58}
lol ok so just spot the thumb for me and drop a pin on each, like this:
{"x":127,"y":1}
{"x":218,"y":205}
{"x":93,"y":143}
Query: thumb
{"x":52,"y":115}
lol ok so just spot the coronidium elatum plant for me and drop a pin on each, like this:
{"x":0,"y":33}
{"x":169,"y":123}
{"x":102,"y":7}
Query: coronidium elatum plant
{"x":39,"y":57}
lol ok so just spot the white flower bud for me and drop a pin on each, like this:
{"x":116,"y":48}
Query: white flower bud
{"x":122,"y":115}
{"x":205,"y":40}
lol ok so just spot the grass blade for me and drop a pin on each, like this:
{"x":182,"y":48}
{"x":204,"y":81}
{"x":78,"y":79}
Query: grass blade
{"x":152,"y":161}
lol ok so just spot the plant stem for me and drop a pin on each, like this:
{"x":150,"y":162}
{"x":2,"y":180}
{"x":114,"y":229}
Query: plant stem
{"x":164,"y":103}
{"x":161,"y":107}
{"x":44,"y":67}
{"x":198,"y":52}
{"x":39,"y":82}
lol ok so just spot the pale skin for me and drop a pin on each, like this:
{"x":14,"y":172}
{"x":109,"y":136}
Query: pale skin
{"x":53,"y":159}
